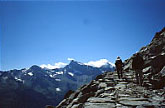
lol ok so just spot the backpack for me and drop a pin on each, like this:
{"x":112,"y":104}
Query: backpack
{"x":137,"y":62}
{"x":118,"y":63}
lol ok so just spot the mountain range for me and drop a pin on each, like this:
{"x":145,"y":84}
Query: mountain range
{"x":37,"y":87}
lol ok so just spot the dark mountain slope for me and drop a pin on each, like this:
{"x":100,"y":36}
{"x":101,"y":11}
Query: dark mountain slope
{"x":37,"y":87}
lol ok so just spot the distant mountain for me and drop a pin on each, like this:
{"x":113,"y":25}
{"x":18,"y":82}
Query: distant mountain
{"x":37,"y":87}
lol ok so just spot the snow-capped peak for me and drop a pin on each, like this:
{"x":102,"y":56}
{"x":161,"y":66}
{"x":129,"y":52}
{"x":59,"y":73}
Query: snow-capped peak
{"x":76,"y":62}
{"x":55,"y":66}
{"x":99,"y":63}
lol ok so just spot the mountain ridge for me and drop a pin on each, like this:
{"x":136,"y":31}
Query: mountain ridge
{"x":48,"y":86}
{"x":97,"y":63}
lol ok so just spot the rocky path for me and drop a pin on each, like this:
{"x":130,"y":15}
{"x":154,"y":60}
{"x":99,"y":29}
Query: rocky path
{"x":107,"y":91}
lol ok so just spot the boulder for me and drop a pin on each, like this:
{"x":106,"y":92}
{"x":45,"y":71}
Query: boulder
{"x":77,"y":106}
{"x":100,"y":100}
{"x":102,"y":85}
{"x":162,"y":72}
{"x":133,"y":103}
{"x":84,"y":98}
{"x":99,"y":105}
{"x":158,"y":80}
{"x":68,"y":94}
{"x":147,"y":106}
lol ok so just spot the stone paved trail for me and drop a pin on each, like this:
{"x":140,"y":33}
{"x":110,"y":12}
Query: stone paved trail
{"x":107,"y":91}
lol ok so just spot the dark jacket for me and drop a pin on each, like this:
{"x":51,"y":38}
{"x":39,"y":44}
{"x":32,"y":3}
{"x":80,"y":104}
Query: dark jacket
{"x":119,"y":63}
{"x":137,"y":62}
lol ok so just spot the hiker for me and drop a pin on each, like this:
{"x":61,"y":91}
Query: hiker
{"x":137,"y":65}
{"x":119,"y":67}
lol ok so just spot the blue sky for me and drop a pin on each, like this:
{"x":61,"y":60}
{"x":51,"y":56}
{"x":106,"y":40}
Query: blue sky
{"x":49,"y":32}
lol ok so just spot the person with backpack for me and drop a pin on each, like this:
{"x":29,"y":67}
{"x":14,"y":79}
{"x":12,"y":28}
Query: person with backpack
{"x":137,"y":66}
{"x":119,"y":67}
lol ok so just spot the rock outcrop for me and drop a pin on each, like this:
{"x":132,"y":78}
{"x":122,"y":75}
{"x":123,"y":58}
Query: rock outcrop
{"x":107,"y":91}
{"x":154,"y":57}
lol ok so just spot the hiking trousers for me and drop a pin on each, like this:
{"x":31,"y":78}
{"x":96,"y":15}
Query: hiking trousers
{"x":139,"y":76}
{"x":119,"y":73}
